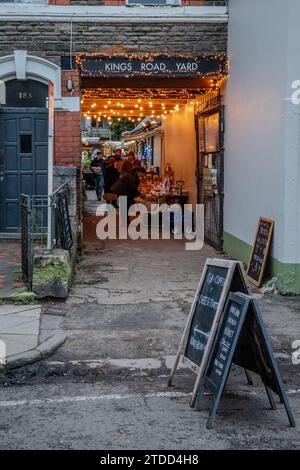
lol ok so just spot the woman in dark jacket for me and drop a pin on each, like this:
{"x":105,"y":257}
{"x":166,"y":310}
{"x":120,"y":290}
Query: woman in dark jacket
{"x":126,"y":184}
{"x":111,"y":177}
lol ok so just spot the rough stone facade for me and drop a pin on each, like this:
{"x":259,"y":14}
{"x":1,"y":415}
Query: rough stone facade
{"x":52,"y":39}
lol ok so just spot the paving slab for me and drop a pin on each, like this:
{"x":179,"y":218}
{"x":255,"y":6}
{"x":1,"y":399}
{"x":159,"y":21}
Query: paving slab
{"x":16,"y":344}
{"x":7,"y":309}
{"x":21,"y":339}
{"x":10,"y":262}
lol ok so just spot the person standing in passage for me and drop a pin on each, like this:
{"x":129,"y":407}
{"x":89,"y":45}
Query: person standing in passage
{"x":126,"y":184}
{"x":98,"y":169}
{"x":111,"y":177}
{"x":136,"y":172}
{"x":131,"y":157}
{"x":119,"y":161}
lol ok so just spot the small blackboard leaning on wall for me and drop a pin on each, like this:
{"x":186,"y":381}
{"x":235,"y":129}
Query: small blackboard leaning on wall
{"x":219,"y":277}
{"x":242,"y":339}
{"x":260,"y":250}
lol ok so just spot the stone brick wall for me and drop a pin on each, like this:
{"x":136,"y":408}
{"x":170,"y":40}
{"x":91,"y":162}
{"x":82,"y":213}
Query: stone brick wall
{"x":52,"y":39}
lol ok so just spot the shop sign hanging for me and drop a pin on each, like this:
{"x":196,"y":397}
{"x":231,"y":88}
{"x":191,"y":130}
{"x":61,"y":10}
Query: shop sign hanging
{"x":120,"y":66}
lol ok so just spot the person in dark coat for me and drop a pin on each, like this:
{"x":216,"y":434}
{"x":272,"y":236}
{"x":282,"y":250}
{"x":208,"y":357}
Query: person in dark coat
{"x":111,"y":177}
{"x":136,"y":172}
{"x":126,"y":184}
{"x":98,"y":169}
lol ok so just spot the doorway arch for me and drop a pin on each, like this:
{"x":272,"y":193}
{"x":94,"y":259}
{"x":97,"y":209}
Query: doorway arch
{"x":23,"y":67}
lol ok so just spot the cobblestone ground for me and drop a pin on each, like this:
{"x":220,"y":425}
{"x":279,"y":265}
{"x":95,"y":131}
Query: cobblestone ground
{"x":10,"y":263}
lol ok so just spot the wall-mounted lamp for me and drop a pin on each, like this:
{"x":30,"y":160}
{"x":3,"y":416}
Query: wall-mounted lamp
{"x":69,"y":84}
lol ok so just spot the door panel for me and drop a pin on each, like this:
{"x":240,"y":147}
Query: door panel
{"x":41,"y":184}
{"x":24,"y":161}
{"x":41,"y":131}
{"x":11,"y":160}
{"x":12,"y":216}
{"x":25,"y":124}
{"x":210,"y":169}
{"x":41,"y":157}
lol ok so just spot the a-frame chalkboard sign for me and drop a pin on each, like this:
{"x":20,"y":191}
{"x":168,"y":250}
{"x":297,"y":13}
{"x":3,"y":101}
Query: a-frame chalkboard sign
{"x":242,"y":340}
{"x":219,"y":277}
{"x":260,"y":251}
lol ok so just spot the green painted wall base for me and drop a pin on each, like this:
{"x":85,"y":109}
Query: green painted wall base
{"x":288,"y":274}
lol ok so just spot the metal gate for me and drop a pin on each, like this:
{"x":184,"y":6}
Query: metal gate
{"x":209,"y":122}
{"x":26,"y":259}
{"x":34,"y":212}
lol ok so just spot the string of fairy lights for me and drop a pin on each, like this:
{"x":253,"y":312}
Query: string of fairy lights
{"x":132,"y":110}
{"x":133,"y":104}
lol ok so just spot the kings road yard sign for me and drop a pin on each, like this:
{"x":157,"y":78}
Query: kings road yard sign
{"x":150,"y":65}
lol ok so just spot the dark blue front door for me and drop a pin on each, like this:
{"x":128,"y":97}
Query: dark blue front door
{"x":23,"y":161}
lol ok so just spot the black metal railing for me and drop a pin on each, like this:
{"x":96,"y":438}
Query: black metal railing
{"x":45,"y":223}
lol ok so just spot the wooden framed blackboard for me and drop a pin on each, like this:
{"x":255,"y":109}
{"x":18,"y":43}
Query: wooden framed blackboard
{"x":205,"y":312}
{"x":218,"y":278}
{"x":260,"y":250}
{"x":234,"y":314}
{"x":242,"y":340}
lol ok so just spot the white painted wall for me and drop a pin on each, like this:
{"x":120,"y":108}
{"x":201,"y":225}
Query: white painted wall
{"x":262,"y":126}
{"x":180,"y":147}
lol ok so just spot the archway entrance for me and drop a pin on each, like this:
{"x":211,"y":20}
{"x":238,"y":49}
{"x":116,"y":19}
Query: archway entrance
{"x":163,"y":109}
{"x":26,"y":139}
{"x":23,"y":147}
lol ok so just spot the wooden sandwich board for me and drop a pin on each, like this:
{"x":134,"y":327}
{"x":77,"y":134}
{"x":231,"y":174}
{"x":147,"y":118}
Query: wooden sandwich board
{"x":219,"y":277}
{"x":242,"y":339}
{"x":260,"y":250}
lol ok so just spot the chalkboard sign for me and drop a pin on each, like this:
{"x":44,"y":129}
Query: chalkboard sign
{"x":219,"y":277}
{"x":235,"y":309}
{"x":260,"y":251}
{"x":205,"y":312}
{"x":242,"y":339}
{"x":64,"y":222}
